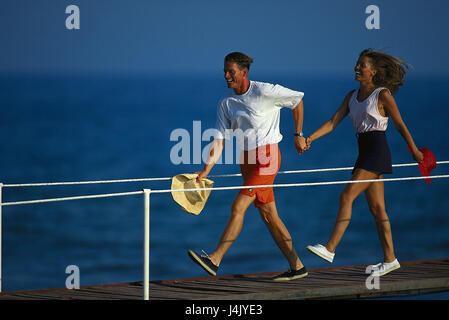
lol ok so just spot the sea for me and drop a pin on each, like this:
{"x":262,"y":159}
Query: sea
{"x":84,"y":127}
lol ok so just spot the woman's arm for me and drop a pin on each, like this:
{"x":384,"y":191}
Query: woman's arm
{"x":389,"y":104}
{"x":331,"y":124}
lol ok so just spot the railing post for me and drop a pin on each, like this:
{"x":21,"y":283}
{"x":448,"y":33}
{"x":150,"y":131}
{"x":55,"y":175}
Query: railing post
{"x":146,"y":244}
{"x":1,"y":219}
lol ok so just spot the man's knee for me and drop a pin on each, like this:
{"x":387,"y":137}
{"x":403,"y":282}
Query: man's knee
{"x":268,"y":212}
{"x":240,"y":205}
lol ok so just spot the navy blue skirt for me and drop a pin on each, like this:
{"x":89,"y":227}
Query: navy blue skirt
{"x":374,"y":153}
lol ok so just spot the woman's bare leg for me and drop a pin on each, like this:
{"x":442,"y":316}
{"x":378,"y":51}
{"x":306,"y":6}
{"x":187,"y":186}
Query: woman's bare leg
{"x":376,"y":202}
{"x":347,"y":197}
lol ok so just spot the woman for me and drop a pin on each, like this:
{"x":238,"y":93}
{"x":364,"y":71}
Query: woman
{"x":369,"y":107}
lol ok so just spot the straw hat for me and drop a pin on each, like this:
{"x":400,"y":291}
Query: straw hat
{"x":190,"y":201}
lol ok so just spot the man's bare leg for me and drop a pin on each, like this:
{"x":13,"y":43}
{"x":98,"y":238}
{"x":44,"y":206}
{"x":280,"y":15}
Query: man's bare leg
{"x":233,"y":227}
{"x":280,"y":234}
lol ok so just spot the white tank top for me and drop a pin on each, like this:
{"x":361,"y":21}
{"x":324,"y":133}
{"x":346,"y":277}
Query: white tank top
{"x":365,"y":115}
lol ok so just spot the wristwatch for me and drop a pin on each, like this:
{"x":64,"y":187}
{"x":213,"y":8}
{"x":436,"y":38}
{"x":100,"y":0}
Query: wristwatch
{"x":299,"y":134}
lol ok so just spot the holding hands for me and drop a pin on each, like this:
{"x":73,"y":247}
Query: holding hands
{"x":302,"y":144}
{"x":308,"y":142}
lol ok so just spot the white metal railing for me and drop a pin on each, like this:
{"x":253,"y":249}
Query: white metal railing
{"x":147,"y":192}
{"x":44,"y":184}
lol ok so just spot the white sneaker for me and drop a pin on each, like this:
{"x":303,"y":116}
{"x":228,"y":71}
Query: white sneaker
{"x":322,"y":252}
{"x":383,"y":268}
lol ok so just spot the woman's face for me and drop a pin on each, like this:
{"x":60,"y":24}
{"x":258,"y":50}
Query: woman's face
{"x":364,"y":70}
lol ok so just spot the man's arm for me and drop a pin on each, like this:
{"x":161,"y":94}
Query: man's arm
{"x":298,"y":117}
{"x":214,"y":154}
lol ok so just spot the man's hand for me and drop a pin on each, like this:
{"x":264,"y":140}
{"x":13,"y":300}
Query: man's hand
{"x":300,"y":144}
{"x":214,"y":153}
{"x":201,"y":175}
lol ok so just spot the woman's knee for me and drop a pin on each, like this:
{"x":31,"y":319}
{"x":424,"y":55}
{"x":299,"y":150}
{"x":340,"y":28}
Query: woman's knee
{"x":377,"y":210}
{"x":346,"y":198}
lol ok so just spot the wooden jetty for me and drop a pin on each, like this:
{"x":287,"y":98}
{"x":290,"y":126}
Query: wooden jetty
{"x":414,"y":277}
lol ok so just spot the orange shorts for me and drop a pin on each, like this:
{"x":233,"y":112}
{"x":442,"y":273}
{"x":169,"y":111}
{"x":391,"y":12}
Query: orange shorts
{"x":260,"y":167}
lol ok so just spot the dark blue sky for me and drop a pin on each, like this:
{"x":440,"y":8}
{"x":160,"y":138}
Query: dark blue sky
{"x":172,"y":36}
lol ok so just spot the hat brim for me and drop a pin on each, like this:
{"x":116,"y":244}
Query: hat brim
{"x":180,"y":197}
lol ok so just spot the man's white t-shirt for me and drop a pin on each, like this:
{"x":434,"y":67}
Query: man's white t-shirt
{"x":253,"y":117}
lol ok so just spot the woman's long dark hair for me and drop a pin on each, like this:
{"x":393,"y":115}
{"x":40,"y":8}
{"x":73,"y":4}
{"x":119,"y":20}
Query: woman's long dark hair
{"x":390,"y":70}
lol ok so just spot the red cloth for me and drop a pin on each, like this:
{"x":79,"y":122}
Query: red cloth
{"x":427,"y":164}
{"x":260,"y":167}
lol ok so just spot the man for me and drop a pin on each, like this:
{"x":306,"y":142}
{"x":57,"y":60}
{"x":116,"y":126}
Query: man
{"x":253,"y":110}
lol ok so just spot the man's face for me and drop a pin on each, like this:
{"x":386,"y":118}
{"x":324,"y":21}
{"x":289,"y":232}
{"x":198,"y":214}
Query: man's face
{"x":233,"y":75}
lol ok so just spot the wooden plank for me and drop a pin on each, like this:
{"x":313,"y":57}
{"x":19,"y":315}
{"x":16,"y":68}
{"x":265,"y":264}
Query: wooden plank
{"x":413,"y":277}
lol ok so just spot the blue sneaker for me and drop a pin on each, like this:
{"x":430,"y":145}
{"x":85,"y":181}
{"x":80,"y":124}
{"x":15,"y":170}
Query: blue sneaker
{"x":204,"y":261}
{"x":292,"y":275}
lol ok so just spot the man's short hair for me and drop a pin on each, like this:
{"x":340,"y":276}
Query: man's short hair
{"x":241,"y":59}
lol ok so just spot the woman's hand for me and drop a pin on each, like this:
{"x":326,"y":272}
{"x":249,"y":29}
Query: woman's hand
{"x":308,"y":143}
{"x":418,"y":156}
